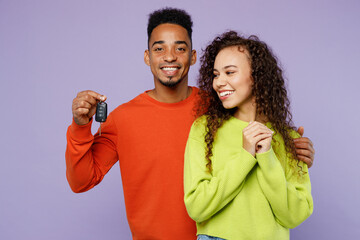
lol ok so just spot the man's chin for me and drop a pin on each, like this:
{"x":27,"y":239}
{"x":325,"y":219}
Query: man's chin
{"x":170,"y":83}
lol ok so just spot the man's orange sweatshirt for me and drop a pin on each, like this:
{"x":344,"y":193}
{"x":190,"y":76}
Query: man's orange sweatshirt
{"x":148,"y":138}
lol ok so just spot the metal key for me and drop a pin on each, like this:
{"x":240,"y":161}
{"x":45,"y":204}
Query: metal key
{"x":101,"y":113}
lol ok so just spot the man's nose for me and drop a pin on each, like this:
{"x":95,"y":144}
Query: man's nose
{"x":170,"y":56}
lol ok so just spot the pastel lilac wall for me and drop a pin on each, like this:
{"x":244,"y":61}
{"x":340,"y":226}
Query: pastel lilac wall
{"x":50,"y":50}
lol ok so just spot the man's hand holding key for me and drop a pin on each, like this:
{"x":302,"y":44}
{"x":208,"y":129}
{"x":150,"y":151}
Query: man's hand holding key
{"x":84,"y":106}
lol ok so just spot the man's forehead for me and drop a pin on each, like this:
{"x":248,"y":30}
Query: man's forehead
{"x":168,"y":32}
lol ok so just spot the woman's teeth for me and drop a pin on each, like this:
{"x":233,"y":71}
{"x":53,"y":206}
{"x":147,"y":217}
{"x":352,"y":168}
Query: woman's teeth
{"x":223,"y":94}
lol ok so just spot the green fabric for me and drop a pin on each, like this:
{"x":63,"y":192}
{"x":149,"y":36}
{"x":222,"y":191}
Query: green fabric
{"x":243,"y":197}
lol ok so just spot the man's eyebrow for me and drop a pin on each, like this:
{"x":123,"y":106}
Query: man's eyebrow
{"x":176,"y":42}
{"x":157,"y":42}
{"x":181,"y":42}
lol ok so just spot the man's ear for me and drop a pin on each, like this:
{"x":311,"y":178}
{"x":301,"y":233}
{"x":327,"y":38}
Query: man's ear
{"x":193,"y":57}
{"x":147,"y":57}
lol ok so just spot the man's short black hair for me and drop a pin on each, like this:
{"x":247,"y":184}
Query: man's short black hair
{"x":170,"y":15}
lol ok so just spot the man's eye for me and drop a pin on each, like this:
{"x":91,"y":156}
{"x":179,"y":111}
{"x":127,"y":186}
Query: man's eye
{"x":181,"y":49}
{"x":157,"y":49}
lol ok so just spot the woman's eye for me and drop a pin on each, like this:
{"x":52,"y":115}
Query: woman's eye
{"x":229,"y":73}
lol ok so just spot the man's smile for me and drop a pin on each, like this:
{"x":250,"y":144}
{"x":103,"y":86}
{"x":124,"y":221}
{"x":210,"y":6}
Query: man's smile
{"x":170,"y":70}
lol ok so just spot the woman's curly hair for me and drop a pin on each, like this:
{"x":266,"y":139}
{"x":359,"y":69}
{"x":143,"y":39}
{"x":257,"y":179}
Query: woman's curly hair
{"x":268,"y":89}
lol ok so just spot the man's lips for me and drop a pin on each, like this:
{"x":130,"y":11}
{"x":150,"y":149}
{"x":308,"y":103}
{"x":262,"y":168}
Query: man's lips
{"x":170,"y":69}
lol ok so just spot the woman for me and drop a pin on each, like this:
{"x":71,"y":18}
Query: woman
{"x":242,"y":179}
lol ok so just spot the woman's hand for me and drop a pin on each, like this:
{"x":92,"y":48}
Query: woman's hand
{"x":257,"y":138}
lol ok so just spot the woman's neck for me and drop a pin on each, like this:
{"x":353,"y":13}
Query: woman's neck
{"x":247,"y":112}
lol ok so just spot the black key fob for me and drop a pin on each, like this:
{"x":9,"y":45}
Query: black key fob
{"x":101,"y":112}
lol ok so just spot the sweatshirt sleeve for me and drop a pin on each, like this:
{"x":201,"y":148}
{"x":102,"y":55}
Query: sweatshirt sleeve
{"x":289,"y":194}
{"x":206,"y":194}
{"x":89,"y":158}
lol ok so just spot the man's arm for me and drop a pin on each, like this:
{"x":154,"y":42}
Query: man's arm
{"x":304,"y":148}
{"x":88,"y":158}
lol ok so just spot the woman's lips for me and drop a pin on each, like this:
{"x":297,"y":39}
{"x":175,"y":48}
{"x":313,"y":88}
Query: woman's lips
{"x":225,"y":94}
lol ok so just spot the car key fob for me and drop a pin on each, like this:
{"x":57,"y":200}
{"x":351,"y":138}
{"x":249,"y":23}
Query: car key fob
{"x":101,"y":112}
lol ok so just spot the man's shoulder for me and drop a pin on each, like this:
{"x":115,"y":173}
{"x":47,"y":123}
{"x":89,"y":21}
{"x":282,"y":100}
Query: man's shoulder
{"x":135,"y":105}
{"x":127,"y":112}
{"x":139,"y":99}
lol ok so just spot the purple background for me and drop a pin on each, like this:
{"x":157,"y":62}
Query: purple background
{"x":50,"y":50}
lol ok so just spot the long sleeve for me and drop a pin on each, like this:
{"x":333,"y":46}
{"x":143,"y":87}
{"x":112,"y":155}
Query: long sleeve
{"x":150,"y":152}
{"x":207,"y":193}
{"x":243,"y":197}
{"x":289,"y":194}
{"x":88,"y":157}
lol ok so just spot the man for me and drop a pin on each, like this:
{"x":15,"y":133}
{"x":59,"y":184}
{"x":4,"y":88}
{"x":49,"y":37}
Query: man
{"x":147,"y":135}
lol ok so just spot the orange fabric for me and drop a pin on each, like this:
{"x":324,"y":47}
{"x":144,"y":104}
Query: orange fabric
{"x":148,"y":138}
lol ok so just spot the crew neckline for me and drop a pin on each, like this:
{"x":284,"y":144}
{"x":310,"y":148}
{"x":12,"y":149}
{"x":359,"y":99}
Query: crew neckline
{"x":238,"y":121}
{"x":193,"y":94}
{"x":242,"y":122}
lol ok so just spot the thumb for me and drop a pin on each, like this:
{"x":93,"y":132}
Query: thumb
{"x":102,"y":98}
{"x":301,"y":130}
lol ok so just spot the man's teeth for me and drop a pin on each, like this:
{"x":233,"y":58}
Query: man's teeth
{"x":222,"y":94}
{"x":169,"y":68}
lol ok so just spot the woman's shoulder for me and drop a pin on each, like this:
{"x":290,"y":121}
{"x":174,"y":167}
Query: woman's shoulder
{"x":202,"y":120}
{"x":198,"y":128}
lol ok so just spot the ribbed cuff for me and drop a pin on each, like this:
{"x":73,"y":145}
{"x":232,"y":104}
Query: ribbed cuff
{"x":81,"y":132}
{"x":267,"y":159}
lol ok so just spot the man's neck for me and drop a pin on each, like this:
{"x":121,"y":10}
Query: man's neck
{"x":166,"y":94}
